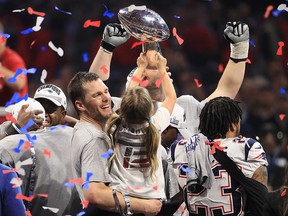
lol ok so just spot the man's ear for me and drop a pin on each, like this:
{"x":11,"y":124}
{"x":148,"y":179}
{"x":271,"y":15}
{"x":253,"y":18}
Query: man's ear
{"x":80,"y":106}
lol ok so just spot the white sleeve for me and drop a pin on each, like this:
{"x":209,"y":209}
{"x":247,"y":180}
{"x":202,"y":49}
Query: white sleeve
{"x":161,"y":118}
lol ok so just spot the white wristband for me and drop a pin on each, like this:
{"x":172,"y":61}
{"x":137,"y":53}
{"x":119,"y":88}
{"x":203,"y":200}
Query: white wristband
{"x":239,"y":51}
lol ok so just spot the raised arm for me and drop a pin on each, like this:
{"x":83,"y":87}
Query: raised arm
{"x":167,"y":85}
{"x":113,"y":36}
{"x":237,"y":33}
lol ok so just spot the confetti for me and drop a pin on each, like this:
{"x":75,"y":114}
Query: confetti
{"x":16,"y":98}
{"x":133,"y":7}
{"x":8,"y":171}
{"x":32,"y":12}
{"x":155,"y":187}
{"x":248,"y":61}
{"x":138,"y":44}
{"x":62,"y":11}
{"x":276,"y":13}
{"x":5,"y":36}
{"x":27,"y":145}
{"x":81,"y":213}
{"x":18,"y":10}
{"x":76,"y":181}
{"x":107,"y":13}
{"x":176,"y":17}
{"x":47,"y":152}
{"x":86,"y":183}
{"x":282,"y":116}
{"x":214,"y":145}
{"x":85,"y":57}
{"x":58,"y":127}
{"x":15,"y":75}
{"x":9,"y":117}
{"x":58,"y":50}
{"x":17,"y":182}
{"x":268,"y":11}
{"x":159,"y":81}
{"x":88,"y":23}
{"x":39,"y":21}
{"x":186,"y":169}
{"x":142,"y":83}
{"x":21,"y":142}
{"x":27,"y":31}
{"x":33,"y":42}
{"x":85,"y":203}
{"x":54,"y":210}
{"x":279,"y":50}
{"x":180,"y":40}
{"x":252,"y":43}
{"x":197,"y":83}
{"x":282,"y":7}
{"x":28,"y":213}
{"x":43,"y":75}
{"x":282,"y":91}
{"x":108,"y":153}
{"x":31,"y":139}
{"x":28,"y":125}
{"x":220,"y":68}
{"x":104,"y":69}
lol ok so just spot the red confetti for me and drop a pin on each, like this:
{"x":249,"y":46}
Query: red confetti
{"x":155,"y":187}
{"x":85,"y":203}
{"x":88,"y":23}
{"x":142,"y":83}
{"x":248,"y":61}
{"x":31,"y":11}
{"x":284,"y":193}
{"x":268,"y":10}
{"x":27,"y":145}
{"x":33,"y":42}
{"x":76,"y":181}
{"x":138,"y":44}
{"x":47,"y":152}
{"x":181,"y":208}
{"x":180,"y":40}
{"x":159,"y":81}
{"x":20,"y":196}
{"x":28,"y":213}
{"x":104,"y":69}
{"x":8,"y":171}
{"x":220,"y":68}
{"x":214,"y":145}
{"x":9,"y":117}
{"x":282,"y":116}
{"x":2,"y":39}
{"x":197,"y":83}
{"x":279,"y":50}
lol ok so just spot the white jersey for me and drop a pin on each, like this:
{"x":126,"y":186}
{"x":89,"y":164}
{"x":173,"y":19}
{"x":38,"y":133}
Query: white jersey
{"x":226,"y":196}
{"x":130,"y":171}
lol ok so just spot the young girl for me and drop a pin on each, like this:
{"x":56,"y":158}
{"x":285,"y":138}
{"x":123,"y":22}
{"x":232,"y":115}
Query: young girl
{"x":136,"y":167}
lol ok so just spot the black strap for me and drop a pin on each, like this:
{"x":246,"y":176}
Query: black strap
{"x":31,"y":180}
{"x":256,"y":191}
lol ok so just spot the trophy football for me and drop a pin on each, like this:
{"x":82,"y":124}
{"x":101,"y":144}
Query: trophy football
{"x":145,"y":25}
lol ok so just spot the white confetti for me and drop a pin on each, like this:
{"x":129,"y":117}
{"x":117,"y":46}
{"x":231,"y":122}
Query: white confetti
{"x":17,"y":182}
{"x":133,"y":7}
{"x":39,"y":21}
{"x":18,"y":10}
{"x":54,"y":210}
{"x":59,"y":50}
{"x":43,"y":76}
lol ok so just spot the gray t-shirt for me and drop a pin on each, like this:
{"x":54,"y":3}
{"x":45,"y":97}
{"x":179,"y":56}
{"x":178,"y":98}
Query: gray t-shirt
{"x":88,"y":146}
{"x":52,"y":168}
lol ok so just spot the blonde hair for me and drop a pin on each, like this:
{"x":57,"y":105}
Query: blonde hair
{"x":137,"y":108}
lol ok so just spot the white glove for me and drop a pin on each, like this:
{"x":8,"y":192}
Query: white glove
{"x":237,"y":33}
{"x":113,"y":36}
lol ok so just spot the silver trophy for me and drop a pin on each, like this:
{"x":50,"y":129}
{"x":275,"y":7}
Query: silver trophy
{"x":145,"y":25}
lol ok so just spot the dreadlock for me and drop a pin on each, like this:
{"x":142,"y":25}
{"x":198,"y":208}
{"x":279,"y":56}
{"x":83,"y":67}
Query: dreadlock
{"x":218,"y":116}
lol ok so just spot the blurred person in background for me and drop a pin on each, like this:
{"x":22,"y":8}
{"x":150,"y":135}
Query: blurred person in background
{"x":10,"y":61}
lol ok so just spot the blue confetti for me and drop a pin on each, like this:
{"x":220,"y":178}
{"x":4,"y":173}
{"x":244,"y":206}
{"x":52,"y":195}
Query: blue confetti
{"x":107,"y":13}
{"x":21,"y":142}
{"x":85,"y":57}
{"x":43,"y":48}
{"x":187,"y":170}
{"x":28,"y":125}
{"x":86,"y":183}
{"x":282,"y":91}
{"x":252,"y":43}
{"x":176,"y":17}
{"x":31,"y":139}
{"x":68,"y":184}
{"x":29,"y":71}
{"x":5,"y":35}
{"x":66,"y":12}
{"x":80,"y":213}
{"x":27,"y":31}
{"x":16,"y":98}
{"x":107,"y":154}
{"x":58,"y":127}
{"x":17,"y":73}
